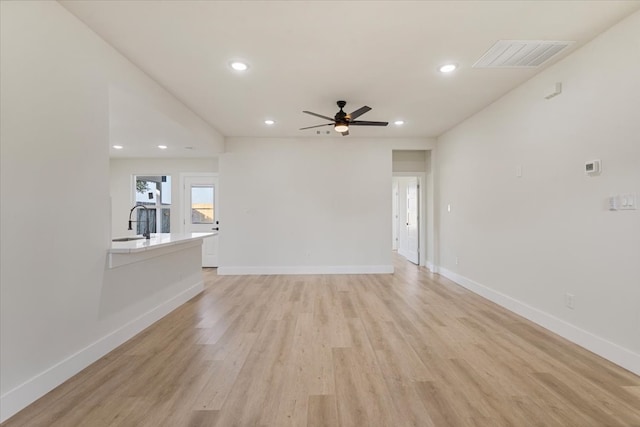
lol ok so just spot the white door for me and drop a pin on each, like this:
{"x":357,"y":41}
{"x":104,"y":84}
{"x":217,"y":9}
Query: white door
{"x":394,"y":215}
{"x":200,"y":214}
{"x":412,"y":223}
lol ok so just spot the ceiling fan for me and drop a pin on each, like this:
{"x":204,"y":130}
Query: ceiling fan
{"x":342,"y":120}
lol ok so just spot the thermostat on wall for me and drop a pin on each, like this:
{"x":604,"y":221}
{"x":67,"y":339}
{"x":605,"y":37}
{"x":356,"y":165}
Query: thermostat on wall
{"x":592,"y":167}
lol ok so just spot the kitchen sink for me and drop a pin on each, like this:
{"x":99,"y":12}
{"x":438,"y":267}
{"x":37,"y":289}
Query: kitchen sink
{"x":127,"y":239}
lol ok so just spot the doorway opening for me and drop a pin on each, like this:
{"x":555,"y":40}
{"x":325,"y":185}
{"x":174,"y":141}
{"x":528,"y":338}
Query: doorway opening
{"x":412,"y":205}
{"x":406,"y":218}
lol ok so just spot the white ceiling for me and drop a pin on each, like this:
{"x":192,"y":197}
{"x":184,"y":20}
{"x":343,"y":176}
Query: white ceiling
{"x":306,"y":55}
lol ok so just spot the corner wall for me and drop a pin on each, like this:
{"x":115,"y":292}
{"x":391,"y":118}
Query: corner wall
{"x":55,"y":215}
{"x":527,"y":241}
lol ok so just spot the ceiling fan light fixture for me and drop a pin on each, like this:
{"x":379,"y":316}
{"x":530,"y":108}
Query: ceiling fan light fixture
{"x":341,"y":121}
{"x":341,"y":127}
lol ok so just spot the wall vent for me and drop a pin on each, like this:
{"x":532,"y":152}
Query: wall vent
{"x":520,"y":53}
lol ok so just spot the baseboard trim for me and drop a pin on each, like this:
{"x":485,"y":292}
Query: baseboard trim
{"x":31,"y":390}
{"x":613,"y":352}
{"x":340,"y":269}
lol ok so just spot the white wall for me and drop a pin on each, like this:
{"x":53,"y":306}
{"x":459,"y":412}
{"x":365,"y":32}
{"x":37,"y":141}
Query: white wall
{"x":55,"y":218}
{"x":122,"y":171}
{"x":409,"y":160}
{"x":307,"y":205}
{"x":526,"y":241}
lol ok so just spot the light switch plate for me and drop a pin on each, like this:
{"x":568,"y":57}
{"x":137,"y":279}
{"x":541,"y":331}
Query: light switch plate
{"x":628,"y":202}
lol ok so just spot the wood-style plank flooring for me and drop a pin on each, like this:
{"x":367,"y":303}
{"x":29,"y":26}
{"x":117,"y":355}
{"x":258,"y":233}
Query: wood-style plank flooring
{"x":408,"y":349}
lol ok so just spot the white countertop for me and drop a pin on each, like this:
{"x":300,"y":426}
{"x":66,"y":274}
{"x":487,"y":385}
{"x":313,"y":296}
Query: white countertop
{"x":158,"y":240}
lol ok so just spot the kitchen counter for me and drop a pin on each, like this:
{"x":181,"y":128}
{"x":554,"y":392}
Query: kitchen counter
{"x":157,"y":241}
{"x":123,"y":253}
{"x":144,"y":280}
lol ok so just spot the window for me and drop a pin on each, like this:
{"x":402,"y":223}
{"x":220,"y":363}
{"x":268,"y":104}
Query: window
{"x":154,"y":193}
{"x":202,"y":198}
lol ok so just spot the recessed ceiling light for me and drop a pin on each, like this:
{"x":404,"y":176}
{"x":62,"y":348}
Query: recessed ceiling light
{"x":118,"y":147}
{"x":269,"y":122}
{"x":162,"y":147}
{"x":398,"y":122}
{"x":239,"y":66}
{"x":447,"y":68}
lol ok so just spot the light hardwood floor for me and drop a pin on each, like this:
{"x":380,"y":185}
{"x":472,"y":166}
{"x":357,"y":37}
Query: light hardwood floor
{"x":409,"y":349}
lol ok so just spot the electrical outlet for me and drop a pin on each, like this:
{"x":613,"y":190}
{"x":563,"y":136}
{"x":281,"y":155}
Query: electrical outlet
{"x":457,"y":261}
{"x":570,"y":300}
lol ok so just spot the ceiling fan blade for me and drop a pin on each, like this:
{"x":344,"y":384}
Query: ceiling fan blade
{"x":319,"y":115}
{"x":317,"y":126}
{"x":360,"y":111}
{"x":366,"y":123}
{"x":345,"y":133}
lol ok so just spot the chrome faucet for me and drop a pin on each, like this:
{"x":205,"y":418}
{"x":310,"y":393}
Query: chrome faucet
{"x":147,"y":233}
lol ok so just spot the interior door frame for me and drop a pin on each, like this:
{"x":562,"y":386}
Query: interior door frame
{"x":422,"y":213}
{"x":395,"y":197}
{"x":211,"y":245}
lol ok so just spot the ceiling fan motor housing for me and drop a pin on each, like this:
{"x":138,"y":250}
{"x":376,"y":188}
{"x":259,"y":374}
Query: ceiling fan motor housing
{"x":341,"y":116}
